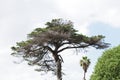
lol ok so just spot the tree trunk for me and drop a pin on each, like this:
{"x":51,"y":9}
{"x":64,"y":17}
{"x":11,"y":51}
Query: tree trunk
{"x":58,"y":67}
{"x":84,"y":76}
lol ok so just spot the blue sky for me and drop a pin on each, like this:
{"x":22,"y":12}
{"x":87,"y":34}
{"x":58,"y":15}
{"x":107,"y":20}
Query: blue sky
{"x":111,"y":33}
{"x":20,"y":17}
{"x":111,"y":36}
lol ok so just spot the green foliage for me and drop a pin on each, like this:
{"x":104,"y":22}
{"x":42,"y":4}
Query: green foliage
{"x":84,"y":63}
{"x":37,"y":31}
{"x":108,"y":66}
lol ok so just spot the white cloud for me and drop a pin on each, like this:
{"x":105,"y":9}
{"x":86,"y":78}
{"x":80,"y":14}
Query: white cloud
{"x":111,"y":17}
{"x":19,"y":17}
{"x":88,"y":11}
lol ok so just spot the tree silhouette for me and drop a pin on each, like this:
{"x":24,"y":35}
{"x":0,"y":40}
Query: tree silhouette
{"x":84,"y":63}
{"x":44,"y":45}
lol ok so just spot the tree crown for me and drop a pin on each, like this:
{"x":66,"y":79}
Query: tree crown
{"x":108,"y":65}
{"x":57,"y":36}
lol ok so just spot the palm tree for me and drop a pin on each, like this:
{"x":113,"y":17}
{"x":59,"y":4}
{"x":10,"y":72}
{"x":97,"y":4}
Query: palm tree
{"x":84,"y":63}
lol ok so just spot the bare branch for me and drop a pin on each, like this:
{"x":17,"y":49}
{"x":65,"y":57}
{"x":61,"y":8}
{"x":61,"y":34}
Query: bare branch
{"x":73,"y":47}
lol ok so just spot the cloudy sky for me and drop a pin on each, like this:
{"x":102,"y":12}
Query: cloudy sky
{"x":20,"y":17}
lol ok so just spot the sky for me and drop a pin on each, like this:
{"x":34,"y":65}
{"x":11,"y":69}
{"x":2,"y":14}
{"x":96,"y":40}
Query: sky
{"x":90,"y":17}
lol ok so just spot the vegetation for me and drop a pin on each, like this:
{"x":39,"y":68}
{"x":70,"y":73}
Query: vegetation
{"x":44,"y":45}
{"x":84,"y":63}
{"x":108,"y":65}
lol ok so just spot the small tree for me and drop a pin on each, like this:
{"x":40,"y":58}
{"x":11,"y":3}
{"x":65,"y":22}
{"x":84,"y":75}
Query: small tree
{"x":108,"y":65}
{"x":44,"y":45}
{"x":84,"y":63}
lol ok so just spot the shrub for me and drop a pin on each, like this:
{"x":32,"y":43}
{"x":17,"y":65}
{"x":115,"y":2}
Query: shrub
{"x":108,"y":65}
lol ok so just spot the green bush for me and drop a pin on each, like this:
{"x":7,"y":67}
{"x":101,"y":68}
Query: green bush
{"x":108,"y":65}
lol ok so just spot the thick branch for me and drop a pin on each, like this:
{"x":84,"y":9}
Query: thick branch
{"x":65,"y":43}
{"x":50,"y":49}
{"x":71,"y":47}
